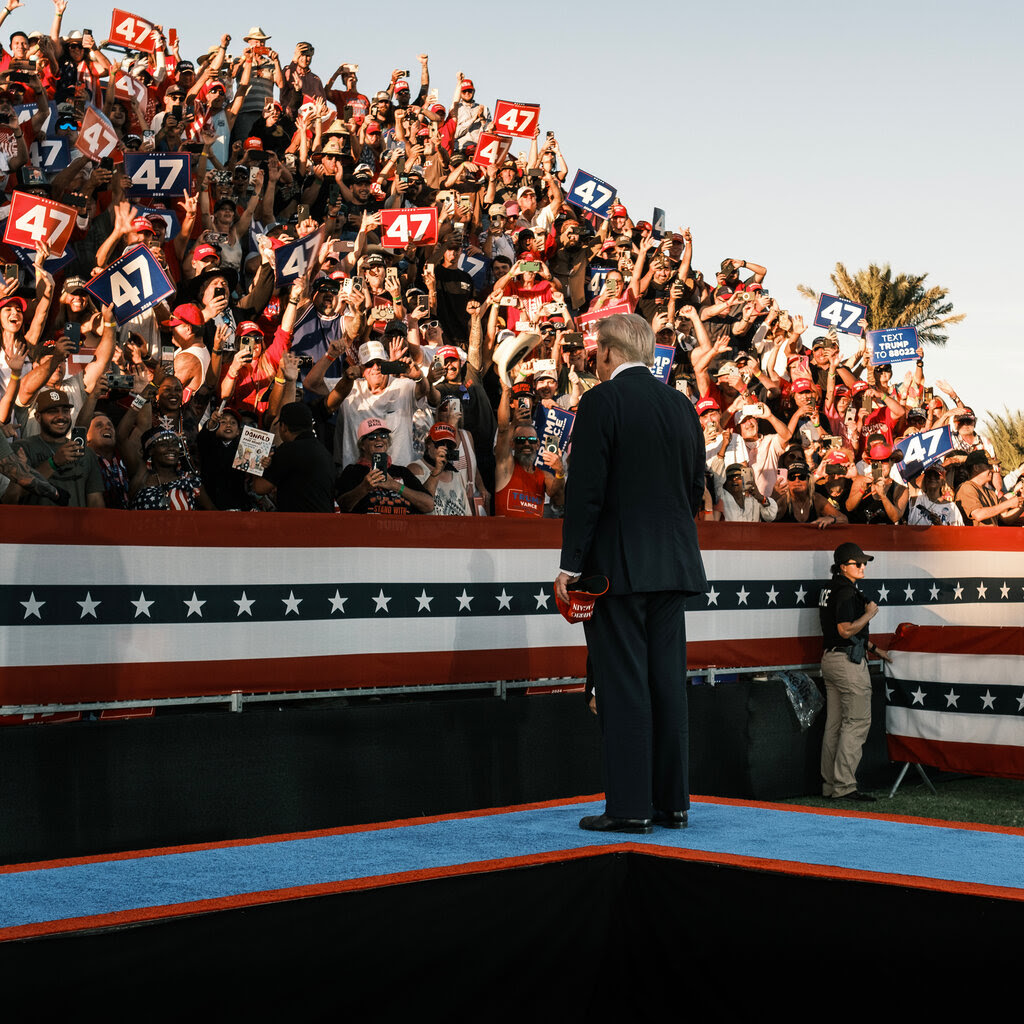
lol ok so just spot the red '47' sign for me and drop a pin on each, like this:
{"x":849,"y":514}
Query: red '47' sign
{"x":34,"y":220}
{"x":131,"y":31}
{"x":491,"y":149}
{"x":96,"y":138}
{"x":520,"y":119}
{"x":415,"y":226}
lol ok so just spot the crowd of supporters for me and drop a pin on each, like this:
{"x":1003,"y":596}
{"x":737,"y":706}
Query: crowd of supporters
{"x":430,"y":379}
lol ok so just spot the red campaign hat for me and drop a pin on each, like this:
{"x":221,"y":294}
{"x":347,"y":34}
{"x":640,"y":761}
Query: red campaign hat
{"x":248,"y":327}
{"x":252,"y":144}
{"x":837,"y":458}
{"x":437,"y":108}
{"x":582,"y":595}
{"x":707,"y":405}
{"x":143,"y":224}
{"x":204,"y":252}
{"x":372,"y":128}
{"x":618,"y":210}
{"x":446,"y":352}
{"x":443,"y":432}
{"x":878,"y":452}
{"x":187,"y":313}
{"x":401,"y":85}
{"x":14,"y":300}
{"x":860,"y":387}
{"x":803,"y":384}
{"x":644,"y":225}
{"x":467,"y":83}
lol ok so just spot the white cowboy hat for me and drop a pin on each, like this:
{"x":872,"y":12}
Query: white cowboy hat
{"x":510,"y":350}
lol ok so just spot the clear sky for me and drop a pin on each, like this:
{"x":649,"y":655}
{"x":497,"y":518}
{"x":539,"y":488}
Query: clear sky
{"x":792,"y":133}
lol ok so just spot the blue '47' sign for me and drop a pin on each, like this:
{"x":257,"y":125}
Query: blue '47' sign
{"x":590,"y":193}
{"x":476,"y":266}
{"x":923,"y":450}
{"x":131,"y":284}
{"x":50,"y":155}
{"x":842,"y":314}
{"x":291,"y":261}
{"x":158,"y":174}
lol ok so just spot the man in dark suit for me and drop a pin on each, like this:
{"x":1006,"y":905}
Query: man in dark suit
{"x":636,"y":477}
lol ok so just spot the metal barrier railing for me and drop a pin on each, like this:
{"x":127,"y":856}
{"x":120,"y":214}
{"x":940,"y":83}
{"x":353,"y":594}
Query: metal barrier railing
{"x":236,"y":701}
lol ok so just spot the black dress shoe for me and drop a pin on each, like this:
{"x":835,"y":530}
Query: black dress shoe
{"x":672,"y":819}
{"x":603,"y":823}
{"x":865,"y":798}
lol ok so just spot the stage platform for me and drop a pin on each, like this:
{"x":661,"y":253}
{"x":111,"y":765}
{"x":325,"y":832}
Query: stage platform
{"x":517,"y":892}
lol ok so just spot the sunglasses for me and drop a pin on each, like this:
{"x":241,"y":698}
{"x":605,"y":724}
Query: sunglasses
{"x":798,"y":476}
{"x":525,"y":440}
{"x":859,"y":565}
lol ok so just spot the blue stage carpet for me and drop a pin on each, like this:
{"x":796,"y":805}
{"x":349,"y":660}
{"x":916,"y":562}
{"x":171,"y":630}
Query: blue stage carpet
{"x":103,"y":891}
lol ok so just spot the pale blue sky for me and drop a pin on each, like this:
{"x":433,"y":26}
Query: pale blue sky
{"x":798,"y":133}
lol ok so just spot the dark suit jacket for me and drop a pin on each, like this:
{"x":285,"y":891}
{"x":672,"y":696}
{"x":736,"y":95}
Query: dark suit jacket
{"x":636,"y":475}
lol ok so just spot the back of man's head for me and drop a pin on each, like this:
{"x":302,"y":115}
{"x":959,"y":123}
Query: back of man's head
{"x":296,"y":416}
{"x":629,"y":336}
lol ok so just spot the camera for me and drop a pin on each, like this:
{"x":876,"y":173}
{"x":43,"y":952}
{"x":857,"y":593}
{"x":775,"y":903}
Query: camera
{"x":120,"y":381}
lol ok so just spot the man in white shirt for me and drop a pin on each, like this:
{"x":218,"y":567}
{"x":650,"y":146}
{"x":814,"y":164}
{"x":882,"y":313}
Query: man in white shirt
{"x":762,"y":452}
{"x":929,"y":509}
{"x":386,"y":396}
{"x":742,"y":502}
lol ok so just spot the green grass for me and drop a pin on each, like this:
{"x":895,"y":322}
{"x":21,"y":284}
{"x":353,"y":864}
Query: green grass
{"x":959,"y":798}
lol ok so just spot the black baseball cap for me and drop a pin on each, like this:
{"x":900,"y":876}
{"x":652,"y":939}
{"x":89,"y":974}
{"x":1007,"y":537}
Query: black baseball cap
{"x":850,"y":552}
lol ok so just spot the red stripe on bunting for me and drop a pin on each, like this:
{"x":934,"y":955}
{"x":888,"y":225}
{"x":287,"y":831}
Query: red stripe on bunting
{"x":1004,"y":761}
{"x":144,"y":681}
{"x":973,"y":640}
{"x":70,"y":684}
{"x":292,"y":530}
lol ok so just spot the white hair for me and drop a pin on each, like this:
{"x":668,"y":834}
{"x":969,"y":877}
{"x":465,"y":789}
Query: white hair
{"x":629,"y":335}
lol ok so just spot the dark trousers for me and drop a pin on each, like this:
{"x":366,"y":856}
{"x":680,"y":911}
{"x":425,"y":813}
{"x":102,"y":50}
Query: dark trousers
{"x":637,"y":645}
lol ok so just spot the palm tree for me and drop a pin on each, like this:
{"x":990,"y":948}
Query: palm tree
{"x":901,"y":301}
{"x":1006,"y":433}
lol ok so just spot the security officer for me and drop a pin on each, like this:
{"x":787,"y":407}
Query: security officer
{"x":845,"y":615}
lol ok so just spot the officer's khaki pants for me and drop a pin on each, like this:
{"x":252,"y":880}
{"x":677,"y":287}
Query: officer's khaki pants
{"x":848,"y":702}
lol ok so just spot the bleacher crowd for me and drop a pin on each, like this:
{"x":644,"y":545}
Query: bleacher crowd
{"x":372,"y":377}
